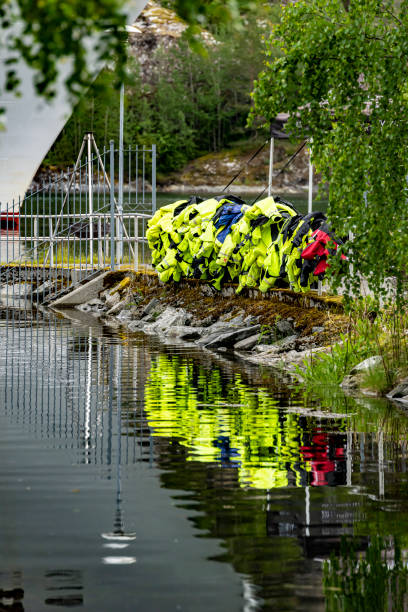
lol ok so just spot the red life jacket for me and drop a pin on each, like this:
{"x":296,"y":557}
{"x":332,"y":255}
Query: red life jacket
{"x":318,"y":248}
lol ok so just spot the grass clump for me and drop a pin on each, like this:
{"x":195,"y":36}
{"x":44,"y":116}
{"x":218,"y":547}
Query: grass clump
{"x":371,"y":331}
{"x":330,"y":368}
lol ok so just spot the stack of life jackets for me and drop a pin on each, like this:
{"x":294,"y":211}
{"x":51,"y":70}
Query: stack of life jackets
{"x":223,"y":239}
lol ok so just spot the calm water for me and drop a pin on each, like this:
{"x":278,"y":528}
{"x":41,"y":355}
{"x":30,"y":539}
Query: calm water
{"x":298,"y":200}
{"x":141,"y":476}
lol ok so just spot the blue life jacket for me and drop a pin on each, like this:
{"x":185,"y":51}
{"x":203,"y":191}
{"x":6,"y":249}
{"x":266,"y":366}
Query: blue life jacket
{"x":226,"y":217}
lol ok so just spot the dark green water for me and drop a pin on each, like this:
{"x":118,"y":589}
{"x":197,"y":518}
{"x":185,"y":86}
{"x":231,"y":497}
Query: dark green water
{"x":299,"y":200}
{"x":144,"y":476}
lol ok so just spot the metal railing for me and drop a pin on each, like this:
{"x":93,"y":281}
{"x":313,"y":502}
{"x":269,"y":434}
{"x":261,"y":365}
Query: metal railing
{"x":82,"y":222}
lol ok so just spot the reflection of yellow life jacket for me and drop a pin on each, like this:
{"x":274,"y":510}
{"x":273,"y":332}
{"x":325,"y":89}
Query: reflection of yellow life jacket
{"x":263,"y":477}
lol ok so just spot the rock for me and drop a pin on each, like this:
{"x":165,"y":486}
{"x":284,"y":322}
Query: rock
{"x":306,"y":342}
{"x":150,"y":318}
{"x":136,"y":297}
{"x":286,"y":344}
{"x":354,"y":380}
{"x":117,"y":308}
{"x":213,"y":332}
{"x":227,"y":292}
{"x":404,"y":399}
{"x":367,"y":364}
{"x":97,"y":305}
{"x":184,"y":332}
{"x":112,"y":300}
{"x":151,"y":307}
{"x":262,"y":348}
{"x":281,"y":346}
{"x":251,"y":319}
{"x":400,"y":391}
{"x":284,"y":327}
{"x":230,"y":338}
{"x":167,"y":319}
{"x":350,"y":382}
{"x":247,"y":344}
{"x":204,"y":322}
{"x":317,"y":329}
{"x":237,"y":320}
{"x":84,"y":293}
{"x":288,"y":360}
{"x":83,"y":307}
{"x":121,"y":286}
{"x":104,"y":294}
{"x":135,"y":325}
{"x":124,"y":315}
{"x":207,"y":290}
{"x":218,"y":326}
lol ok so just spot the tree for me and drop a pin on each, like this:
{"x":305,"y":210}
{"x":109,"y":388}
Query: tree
{"x":342,"y":75}
{"x":44,"y":33}
{"x":189,"y":104}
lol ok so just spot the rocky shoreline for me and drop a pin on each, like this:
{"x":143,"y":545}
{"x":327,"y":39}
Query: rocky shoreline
{"x":254,"y":332}
{"x":265,"y":332}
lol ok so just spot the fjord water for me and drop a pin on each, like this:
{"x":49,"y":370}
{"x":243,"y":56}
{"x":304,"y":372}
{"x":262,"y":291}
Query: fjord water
{"x":138,"y":475}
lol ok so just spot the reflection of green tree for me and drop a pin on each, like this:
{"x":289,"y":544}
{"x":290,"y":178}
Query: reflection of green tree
{"x":376,"y":580}
{"x":217,"y":419}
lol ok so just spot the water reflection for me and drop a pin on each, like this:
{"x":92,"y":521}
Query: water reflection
{"x":64,"y":588}
{"x":374,"y":580}
{"x":242,"y":427}
{"x":11,"y":599}
{"x":125,"y":437}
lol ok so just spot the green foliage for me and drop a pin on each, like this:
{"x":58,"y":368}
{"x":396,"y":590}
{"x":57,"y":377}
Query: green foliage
{"x":220,"y":15}
{"x":267,"y":334}
{"x":330,"y":368}
{"x":44,"y":33}
{"x":371,"y":333}
{"x":342,"y":75}
{"x":191,"y":103}
{"x":378,"y":379}
{"x":362,"y":582}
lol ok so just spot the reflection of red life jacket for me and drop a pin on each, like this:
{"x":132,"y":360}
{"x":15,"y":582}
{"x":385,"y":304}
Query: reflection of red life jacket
{"x":320,"y":462}
{"x":318,"y":249}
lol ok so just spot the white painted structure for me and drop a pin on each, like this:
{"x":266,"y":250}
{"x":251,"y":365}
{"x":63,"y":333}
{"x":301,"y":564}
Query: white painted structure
{"x":33,"y":124}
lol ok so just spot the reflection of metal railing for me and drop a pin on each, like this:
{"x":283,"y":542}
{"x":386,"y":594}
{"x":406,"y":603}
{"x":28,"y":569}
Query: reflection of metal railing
{"x":83,"y":221}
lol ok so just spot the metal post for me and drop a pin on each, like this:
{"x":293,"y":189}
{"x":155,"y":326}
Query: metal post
{"x":349,"y":458}
{"x":112,"y":203}
{"x":153,"y":179}
{"x":381,"y":465}
{"x":307,"y":511}
{"x":310,"y":195}
{"x":120,"y":194}
{"x":35,"y":252}
{"x":136,"y":243}
{"x":90,"y":197}
{"x":51,"y":244}
{"x":271,"y":152}
{"x":99,"y":241}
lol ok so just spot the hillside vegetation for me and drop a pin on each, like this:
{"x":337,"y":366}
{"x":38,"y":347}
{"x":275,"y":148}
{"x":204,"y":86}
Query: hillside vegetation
{"x":188,"y":103}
